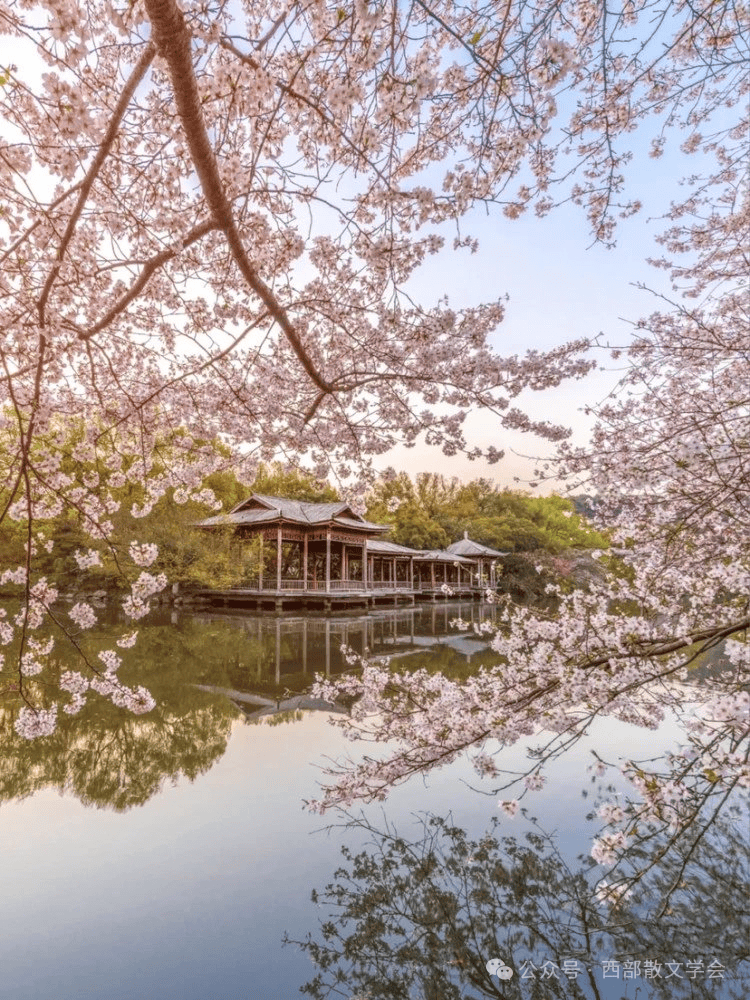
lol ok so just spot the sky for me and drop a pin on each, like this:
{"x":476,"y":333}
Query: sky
{"x":560,"y":287}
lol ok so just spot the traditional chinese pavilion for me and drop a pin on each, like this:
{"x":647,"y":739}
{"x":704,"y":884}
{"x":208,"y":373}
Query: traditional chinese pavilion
{"x":326,"y":552}
{"x":484,"y":558}
{"x":319,"y":546}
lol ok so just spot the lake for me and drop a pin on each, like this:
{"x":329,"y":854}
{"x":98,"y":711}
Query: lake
{"x":170,"y":856}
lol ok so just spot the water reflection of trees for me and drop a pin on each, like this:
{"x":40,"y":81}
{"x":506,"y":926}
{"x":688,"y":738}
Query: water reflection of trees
{"x":114,"y":762}
{"x":109,"y":759}
{"x":192,"y":664}
{"x":417,"y":919}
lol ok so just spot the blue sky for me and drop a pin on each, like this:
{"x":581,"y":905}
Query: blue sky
{"x":560,"y":287}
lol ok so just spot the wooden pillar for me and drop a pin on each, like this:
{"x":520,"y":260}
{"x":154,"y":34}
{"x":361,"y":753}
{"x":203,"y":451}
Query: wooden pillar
{"x":432,"y":574}
{"x":278,"y":558}
{"x":304,"y":563}
{"x":411,"y":572}
{"x":445,"y":572}
{"x":364,"y":565}
{"x":393,"y":571}
{"x":260,"y":571}
{"x":328,"y":560}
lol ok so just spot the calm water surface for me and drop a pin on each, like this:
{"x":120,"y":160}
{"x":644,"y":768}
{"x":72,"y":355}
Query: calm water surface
{"x":168,"y":856}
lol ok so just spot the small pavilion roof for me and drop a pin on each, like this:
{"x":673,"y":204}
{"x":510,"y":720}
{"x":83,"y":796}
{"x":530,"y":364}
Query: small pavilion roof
{"x":441,"y":555}
{"x":349,"y":522}
{"x":468,"y":547}
{"x":379,"y":546}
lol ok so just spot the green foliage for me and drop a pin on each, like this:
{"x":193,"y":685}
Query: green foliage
{"x":512,"y":521}
{"x":187,"y":555}
{"x":278,"y":480}
{"x":416,"y":529}
{"x":431,"y":511}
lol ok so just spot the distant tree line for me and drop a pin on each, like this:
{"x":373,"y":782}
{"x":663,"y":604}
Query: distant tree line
{"x":431,"y":511}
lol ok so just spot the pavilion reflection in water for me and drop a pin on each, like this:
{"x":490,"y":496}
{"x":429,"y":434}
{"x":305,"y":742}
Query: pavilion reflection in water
{"x":288,"y":650}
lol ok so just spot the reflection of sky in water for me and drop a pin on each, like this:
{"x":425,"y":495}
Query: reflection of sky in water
{"x":189,"y":895}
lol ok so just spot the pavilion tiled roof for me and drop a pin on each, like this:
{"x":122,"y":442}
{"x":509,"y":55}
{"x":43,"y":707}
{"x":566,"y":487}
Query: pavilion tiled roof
{"x":379,"y":546}
{"x":239,"y":517}
{"x":349,"y":522}
{"x":302,"y":511}
{"x":260,"y":508}
{"x":441,"y":555}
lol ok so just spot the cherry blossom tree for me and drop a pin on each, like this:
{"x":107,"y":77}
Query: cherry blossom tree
{"x":211,"y":213}
{"x":668,"y":462}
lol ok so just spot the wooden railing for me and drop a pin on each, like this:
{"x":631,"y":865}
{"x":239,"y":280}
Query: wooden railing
{"x":315,"y":586}
{"x":339,"y":586}
{"x":319,"y":586}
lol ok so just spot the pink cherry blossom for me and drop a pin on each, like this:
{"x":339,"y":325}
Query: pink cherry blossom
{"x":33,"y":723}
{"x":143,"y":554}
{"x":83,"y":615}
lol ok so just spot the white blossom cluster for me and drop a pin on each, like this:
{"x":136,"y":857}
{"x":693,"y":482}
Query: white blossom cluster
{"x":32,"y":723}
{"x":83,"y":615}
{"x":143,"y":554}
{"x":87,"y":559}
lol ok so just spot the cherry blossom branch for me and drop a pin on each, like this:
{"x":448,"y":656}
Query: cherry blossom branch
{"x":173,"y":41}
{"x":285,"y":88}
{"x":139,"y":71}
{"x":37,"y":222}
{"x":147,"y":271}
